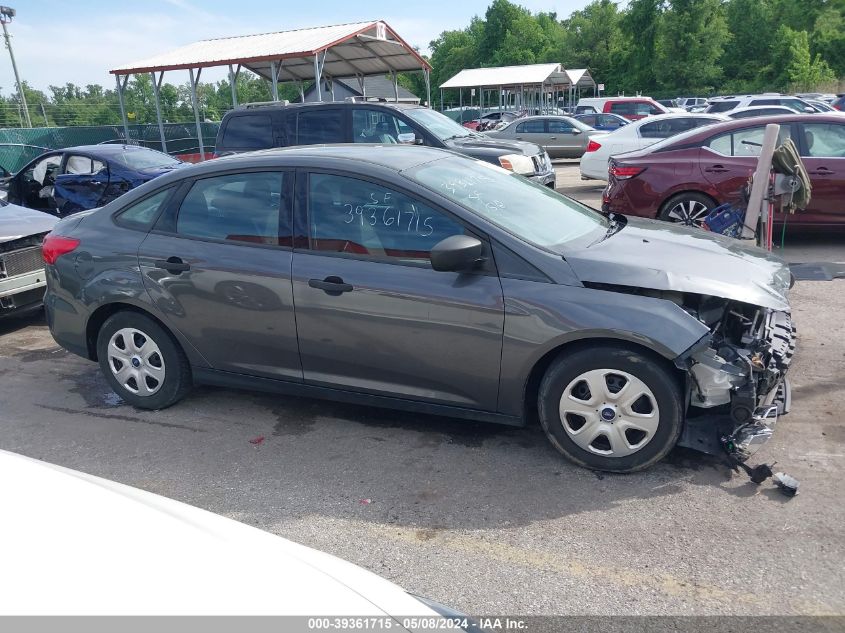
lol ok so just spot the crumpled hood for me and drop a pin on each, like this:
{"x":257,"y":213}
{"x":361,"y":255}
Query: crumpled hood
{"x":17,"y":222}
{"x":486,"y":145}
{"x":664,"y":256}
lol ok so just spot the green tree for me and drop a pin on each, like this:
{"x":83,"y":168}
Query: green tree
{"x":635,"y":67}
{"x":794,"y":67}
{"x":690,"y":38}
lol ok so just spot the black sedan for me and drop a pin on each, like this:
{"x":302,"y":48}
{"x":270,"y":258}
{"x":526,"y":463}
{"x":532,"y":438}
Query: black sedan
{"x":73,"y":179}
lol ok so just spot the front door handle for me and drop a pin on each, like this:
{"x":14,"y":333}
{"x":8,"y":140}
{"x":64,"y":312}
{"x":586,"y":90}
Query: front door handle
{"x":717,"y":169}
{"x":821,"y":171}
{"x":173,"y":265}
{"x":331,"y":285}
{"x":553,"y":138}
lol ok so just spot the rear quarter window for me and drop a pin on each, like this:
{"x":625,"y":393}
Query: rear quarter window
{"x":252,"y":131}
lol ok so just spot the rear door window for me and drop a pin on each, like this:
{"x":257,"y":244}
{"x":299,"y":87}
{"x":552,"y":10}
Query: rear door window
{"x":746,"y":142}
{"x":324,"y":125}
{"x":249,"y":131}
{"x":531,"y":127}
{"x":246,"y":207}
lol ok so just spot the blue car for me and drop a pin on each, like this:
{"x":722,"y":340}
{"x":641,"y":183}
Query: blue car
{"x":74,"y":179}
{"x":600,"y":121}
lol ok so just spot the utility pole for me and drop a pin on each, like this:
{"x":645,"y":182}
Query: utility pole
{"x":6,"y":15}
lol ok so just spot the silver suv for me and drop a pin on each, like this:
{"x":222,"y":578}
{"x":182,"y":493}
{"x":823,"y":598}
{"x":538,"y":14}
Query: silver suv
{"x":727,"y":104}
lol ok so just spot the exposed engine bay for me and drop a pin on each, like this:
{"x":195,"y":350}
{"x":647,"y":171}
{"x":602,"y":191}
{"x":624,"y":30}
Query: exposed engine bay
{"x":742,"y":369}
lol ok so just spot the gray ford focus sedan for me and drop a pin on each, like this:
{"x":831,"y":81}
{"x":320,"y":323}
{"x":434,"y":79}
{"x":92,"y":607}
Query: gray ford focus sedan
{"x":416,"y":278}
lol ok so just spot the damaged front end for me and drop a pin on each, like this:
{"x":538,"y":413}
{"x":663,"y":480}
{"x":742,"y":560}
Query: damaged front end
{"x":737,"y":376}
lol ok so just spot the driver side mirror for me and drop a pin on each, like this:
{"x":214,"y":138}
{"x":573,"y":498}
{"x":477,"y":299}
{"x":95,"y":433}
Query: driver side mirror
{"x":456,"y":253}
{"x":575,"y":131}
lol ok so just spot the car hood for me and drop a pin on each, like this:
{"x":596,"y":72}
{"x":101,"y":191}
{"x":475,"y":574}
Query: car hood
{"x":493,"y":146}
{"x":89,"y":546}
{"x":17,"y":222}
{"x":664,"y":256}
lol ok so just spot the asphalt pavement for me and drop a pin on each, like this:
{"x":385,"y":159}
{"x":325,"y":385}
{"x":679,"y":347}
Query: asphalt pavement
{"x":487,"y":519}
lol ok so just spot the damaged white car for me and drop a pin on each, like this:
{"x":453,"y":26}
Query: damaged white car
{"x":22,"y":278}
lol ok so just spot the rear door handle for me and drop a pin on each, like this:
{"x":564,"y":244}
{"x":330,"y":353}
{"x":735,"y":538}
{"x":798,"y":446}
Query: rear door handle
{"x":717,"y":169}
{"x":553,"y":138}
{"x":822,"y":171}
{"x":331,"y":285}
{"x":173,"y":265}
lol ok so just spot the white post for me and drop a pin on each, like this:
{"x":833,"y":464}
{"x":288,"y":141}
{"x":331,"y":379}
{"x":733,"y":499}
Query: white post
{"x":760,"y":184}
{"x":156,"y":87}
{"x":195,"y":102}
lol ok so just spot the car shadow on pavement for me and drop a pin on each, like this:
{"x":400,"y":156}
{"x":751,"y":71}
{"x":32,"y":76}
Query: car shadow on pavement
{"x":430,"y":471}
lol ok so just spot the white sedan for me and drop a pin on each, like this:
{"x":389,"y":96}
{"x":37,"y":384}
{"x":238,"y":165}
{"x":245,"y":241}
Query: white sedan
{"x":637,"y":135}
{"x":75,"y":544}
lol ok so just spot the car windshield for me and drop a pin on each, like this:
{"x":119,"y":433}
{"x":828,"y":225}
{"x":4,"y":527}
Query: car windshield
{"x":531,"y":212}
{"x":438,"y":124}
{"x":141,"y":158}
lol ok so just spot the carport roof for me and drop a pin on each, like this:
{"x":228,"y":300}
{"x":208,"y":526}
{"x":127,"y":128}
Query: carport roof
{"x":359,"y":48}
{"x":507,"y":76}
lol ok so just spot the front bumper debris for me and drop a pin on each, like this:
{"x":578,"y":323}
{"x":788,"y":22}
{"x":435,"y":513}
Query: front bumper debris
{"x":738,"y":384}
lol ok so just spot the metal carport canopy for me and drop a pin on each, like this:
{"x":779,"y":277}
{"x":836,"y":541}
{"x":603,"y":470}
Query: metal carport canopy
{"x":360,"y":48}
{"x":508,"y":76}
{"x":357,"y":49}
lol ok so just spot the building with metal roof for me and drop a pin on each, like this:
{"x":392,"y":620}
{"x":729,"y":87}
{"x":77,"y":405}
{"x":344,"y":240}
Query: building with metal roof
{"x":376,"y":87}
{"x":359,"y":49}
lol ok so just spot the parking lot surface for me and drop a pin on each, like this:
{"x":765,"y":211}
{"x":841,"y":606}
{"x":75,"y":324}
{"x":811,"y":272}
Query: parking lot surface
{"x":490,"y":520}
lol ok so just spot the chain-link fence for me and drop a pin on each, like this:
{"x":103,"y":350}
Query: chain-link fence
{"x":20,"y":145}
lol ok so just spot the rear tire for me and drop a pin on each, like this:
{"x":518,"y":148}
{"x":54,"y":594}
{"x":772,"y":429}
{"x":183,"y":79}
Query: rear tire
{"x":688,"y":208}
{"x":142,"y":362}
{"x":610,"y":408}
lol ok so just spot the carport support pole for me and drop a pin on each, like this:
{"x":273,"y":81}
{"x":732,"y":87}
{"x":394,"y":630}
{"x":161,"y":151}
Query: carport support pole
{"x":195,"y":103}
{"x":317,"y":77}
{"x":120,"y":87}
{"x":233,"y":80}
{"x":156,"y":86}
{"x":427,"y":77}
{"x":274,"y":82}
{"x":395,"y":86}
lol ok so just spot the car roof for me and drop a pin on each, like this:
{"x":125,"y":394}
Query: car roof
{"x":105,"y":149}
{"x":241,"y":110}
{"x":393,"y":157}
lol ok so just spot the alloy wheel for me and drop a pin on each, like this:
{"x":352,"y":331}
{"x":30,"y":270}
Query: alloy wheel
{"x":688,"y":212}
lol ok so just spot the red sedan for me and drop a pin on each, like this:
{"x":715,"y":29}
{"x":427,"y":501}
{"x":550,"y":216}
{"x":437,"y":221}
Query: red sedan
{"x":682,"y":178}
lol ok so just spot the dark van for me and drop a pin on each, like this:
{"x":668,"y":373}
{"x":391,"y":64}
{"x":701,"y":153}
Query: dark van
{"x":263,"y":126}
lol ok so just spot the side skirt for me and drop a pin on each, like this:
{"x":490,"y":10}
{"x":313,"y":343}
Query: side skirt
{"x":253,"y":383}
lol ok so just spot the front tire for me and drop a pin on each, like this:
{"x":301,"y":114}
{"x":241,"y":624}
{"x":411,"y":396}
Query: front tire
{"x":610,"y":408}
{"x":142,"y":362}
{"x":688,"y":209}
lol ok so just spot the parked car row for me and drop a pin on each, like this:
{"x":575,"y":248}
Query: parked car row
{"x":682,"y":177}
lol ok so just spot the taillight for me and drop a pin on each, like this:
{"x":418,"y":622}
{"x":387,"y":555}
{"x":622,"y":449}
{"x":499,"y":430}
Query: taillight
{"x":54,"y":246}
{"x":592,"y":146}
{"x":622,"y":172}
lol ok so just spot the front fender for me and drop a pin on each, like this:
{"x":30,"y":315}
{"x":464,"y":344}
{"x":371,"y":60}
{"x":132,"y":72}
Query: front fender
{"x":540,"y":318}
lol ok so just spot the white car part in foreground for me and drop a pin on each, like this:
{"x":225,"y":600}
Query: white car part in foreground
{"x":80,"y":545}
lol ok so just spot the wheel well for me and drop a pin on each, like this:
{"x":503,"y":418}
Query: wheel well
{"x":99,"y":316}
{"x":663,"y":205}
{"x":532,"y":385}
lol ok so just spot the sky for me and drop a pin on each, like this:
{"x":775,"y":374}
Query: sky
{"x":77,"y":41}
